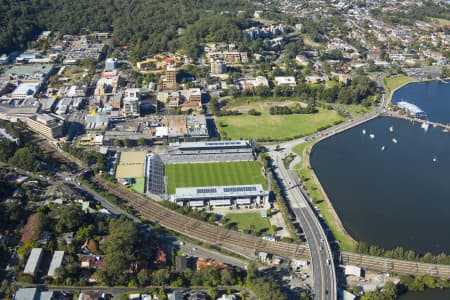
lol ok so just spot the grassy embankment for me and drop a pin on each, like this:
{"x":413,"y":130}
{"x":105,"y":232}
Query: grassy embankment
{"x":269,"y":127}
{"x":309,"y":180}
{"x":392,"y":83}
{"x":214,"y":174}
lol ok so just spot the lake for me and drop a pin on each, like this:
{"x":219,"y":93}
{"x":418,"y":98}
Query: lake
{"x":433,"y":97}
{"x":399,"y":196}
{"x":429,"y":294}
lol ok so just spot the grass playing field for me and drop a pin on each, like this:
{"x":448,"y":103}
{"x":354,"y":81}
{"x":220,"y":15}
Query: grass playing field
{"x":250,"y":222}
{"x":213,"y":174}
{"x":275,"y":127}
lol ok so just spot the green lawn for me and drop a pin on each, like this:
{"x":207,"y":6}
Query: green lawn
{"x":354,"y":109}
{"x":393,"y":82}
{"x":441,"y":21}
{"x":275,"y":127}
{"x":210,"y":174}
{"x":138,"y":186}
{"x":251,"y":222}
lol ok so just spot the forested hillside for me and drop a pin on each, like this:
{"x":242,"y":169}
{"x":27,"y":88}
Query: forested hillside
{"x":147,"y":25}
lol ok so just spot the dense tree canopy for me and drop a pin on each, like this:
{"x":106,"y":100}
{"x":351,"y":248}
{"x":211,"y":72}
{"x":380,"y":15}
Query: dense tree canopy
{"x":146,"y":25}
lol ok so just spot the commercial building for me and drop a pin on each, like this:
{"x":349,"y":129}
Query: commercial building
{"x":249,"y":84}
{"x":46,"y":124}
{"x":210,"y":151}
{"x":25,"y":90}
{"x":33,"y":262}
{"x":29,"y":73}
{"x":218,"y":67}
{"x":170,"y":79}
{"x":195,"y":95}
{"x":215,"y":196}
{"x":56,"y":262}
{"x":132,"y":102}
{"x":96,"y":122}
{"x":110,"y":64}
{"x":285,"y":81}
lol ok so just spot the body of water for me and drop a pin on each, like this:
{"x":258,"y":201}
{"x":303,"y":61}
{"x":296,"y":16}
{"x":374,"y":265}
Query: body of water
{"x":391,"y":189}
{"x":429,"y":294}
{"x":433,"y":97}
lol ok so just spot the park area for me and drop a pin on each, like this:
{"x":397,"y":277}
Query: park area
{"x":249,"y":222}
{"x":213,"y":174}
{"x":391,"y":83}
{"x":266,"y":127}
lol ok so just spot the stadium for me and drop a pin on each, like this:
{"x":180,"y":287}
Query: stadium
{"x":199,"y":174}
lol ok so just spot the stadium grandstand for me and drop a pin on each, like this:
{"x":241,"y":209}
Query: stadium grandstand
{"x":154,"y":173}
{"x":210,"y":151}
{"x":214,"y":196}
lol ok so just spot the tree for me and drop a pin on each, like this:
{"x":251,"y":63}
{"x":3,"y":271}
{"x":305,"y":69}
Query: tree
{"x":212,"y":293}
{"x":141,"y":142}
{"x":120,"y":251}
{"x":143,"y":277}
{"x":118,"y":143}
{"x":160,"y":277}
{"x":127,"y":143}
{"x":26,"y":158}
{"x":227,"y":277}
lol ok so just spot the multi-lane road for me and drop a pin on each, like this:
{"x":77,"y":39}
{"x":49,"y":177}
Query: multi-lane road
{"x":324,"y":276}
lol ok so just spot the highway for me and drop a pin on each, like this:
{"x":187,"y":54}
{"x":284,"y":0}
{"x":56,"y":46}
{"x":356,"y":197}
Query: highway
{"x":324,"y":276}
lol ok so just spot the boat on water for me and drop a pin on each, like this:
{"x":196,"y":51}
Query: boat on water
{"x":425,"y":126}
{"x":435,"y":159}
{"x":363,"y":131}
{"x":394,"y":141}
{"x":382,"y":148}
{"x":391,"y":129}
{"x":372,"y":136}
{"x":445,"y":130}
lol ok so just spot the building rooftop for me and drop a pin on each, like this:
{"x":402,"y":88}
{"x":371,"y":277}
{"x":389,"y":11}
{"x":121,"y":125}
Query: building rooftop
{"x":33,"y":261}
{"x":29,"y":69}
{"x":220,"y":191}
{"x":210,"y":144}
{"x":26,"y":294}
{"x":55,"y":263}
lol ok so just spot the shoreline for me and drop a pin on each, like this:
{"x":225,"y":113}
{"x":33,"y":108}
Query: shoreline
{"x":389,"y":99}
{"x":336,"y":219}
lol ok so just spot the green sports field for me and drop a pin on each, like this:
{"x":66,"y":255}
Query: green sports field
{"x":213,"y":174}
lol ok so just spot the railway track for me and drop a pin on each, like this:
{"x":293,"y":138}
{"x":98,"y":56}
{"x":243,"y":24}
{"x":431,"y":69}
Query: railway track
{"x":234,"y":241}
{"x":395,"y":265}
{"x":243,"y":244}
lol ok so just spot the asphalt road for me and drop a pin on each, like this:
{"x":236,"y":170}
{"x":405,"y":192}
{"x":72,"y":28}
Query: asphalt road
{"x":324,"y":276}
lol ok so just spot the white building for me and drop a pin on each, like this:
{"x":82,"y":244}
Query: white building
{"x":25,"y":90}
{"x":222,"y":196}
{"x":353,"y":270}
{"x":285,"y":81}
{"x":132,"y":102}
{"x":110,"y":64}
